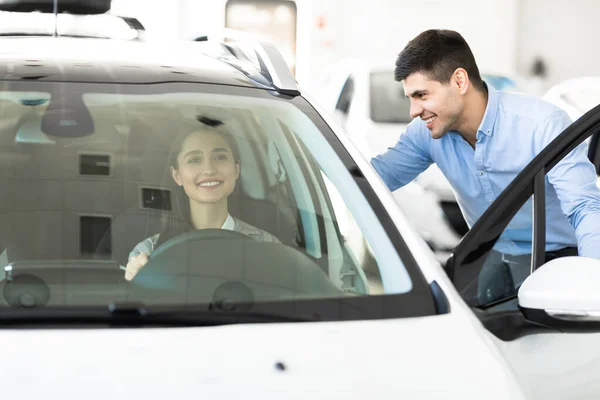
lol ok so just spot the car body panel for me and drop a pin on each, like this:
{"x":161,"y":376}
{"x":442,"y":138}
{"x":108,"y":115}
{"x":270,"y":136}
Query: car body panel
{"x":556,"y":365}
{"x":101,"y":60}
{"x":413,"y":358}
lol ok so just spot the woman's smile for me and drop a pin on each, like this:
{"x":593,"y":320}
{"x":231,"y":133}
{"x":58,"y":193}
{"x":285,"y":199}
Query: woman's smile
{"x":209,"y":184}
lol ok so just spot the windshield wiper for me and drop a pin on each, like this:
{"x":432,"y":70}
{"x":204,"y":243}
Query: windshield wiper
{"x":135,"y":314}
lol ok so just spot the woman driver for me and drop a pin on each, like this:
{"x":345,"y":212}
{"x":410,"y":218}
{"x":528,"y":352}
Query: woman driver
{"x":204,"y":161}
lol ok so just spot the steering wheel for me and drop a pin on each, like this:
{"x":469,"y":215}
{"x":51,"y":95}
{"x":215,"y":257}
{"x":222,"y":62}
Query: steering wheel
{"x":202,"y":266}
{"x":201,"y":234}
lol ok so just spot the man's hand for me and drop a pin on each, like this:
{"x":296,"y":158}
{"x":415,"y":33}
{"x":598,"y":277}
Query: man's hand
{"x":134,"y":265}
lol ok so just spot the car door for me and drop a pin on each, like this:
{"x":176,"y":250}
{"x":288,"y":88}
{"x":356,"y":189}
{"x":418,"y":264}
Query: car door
{"x":551,"y":362}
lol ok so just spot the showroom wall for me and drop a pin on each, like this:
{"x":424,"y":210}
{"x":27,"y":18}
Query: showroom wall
{"x":505,"y":35}
{"x":563,"y":34}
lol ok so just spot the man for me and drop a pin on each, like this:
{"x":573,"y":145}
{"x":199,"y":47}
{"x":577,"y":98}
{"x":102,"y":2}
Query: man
{"x":481,"y":139}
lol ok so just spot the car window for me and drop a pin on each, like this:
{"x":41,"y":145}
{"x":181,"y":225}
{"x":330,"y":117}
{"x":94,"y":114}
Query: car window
{"x":388,"y":102}
{"x":85,"y":185}
{"x":354,"y":243}
{"x":506,"y":266}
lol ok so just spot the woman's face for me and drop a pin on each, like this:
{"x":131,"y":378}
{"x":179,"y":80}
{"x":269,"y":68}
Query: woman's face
{"x":206,"y":167}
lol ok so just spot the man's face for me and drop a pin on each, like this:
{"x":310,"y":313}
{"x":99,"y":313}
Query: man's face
{"x":439,"y":105}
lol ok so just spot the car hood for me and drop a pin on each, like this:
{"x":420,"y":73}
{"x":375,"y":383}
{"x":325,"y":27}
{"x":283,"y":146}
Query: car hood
{"x":429,"y":357}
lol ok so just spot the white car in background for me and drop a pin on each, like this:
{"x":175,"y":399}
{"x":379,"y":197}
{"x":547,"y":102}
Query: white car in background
{"x":576,"y":96}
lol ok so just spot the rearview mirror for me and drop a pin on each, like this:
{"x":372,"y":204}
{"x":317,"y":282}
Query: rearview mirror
{"x":67,"y":116}
{"x":564,"y":292}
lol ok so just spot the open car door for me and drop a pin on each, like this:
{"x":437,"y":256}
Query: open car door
{"x":548,"y":326}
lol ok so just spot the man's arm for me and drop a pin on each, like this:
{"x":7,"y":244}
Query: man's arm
{"x":574,"y":179}
{"x":408,"y":158}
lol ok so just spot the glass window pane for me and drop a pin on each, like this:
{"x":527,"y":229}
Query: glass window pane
{"x":76,"y":207}
{"x":507,"y":265}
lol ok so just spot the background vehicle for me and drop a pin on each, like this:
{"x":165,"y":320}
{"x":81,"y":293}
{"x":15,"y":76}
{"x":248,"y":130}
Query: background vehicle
{"x":575,"y":96}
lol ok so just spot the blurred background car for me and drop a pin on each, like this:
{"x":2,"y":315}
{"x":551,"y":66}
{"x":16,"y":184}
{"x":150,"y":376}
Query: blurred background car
{"x":576,"y":96}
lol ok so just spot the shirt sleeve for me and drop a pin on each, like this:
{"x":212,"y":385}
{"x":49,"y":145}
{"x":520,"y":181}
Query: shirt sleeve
{"x":145,"y":246}
{"x":402,"y":163}
{"x":574,"y":180}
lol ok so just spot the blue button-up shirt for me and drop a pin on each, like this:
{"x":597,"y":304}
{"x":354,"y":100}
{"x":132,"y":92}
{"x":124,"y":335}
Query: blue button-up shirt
{"x":514,"y":129}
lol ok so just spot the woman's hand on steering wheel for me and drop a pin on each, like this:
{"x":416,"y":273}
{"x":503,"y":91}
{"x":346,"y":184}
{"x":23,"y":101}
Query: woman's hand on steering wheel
{"x":172,"y":249}
{"x":134,"y":265}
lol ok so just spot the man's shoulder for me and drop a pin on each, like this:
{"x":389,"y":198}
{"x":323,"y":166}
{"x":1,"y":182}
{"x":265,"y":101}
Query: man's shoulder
{"x":526,"y":106}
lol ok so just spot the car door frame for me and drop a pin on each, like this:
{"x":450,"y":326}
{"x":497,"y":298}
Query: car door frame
{"x":465,"y":263}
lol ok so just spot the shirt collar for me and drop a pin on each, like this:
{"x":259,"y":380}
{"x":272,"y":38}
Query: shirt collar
{"x":229,"y":223}
{"x":491,"y":111}
{"x":489,"y":117}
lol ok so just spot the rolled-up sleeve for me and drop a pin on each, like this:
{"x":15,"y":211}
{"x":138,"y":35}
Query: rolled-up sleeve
{"x":402,"y":163}
{"x":574,"y":180}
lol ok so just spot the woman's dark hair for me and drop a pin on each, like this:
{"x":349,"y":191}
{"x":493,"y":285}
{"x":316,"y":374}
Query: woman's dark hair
{"x":437,"y":53}
{"x":178,"y":219}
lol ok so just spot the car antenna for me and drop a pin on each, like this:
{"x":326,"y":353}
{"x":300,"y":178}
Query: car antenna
{"x":55,"y":18}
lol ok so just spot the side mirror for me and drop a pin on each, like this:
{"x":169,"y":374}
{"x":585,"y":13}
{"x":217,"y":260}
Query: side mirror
{"x":564,"y":292}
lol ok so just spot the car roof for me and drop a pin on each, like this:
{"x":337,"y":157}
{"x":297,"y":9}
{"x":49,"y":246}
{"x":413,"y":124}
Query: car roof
{"x":67,"y":59}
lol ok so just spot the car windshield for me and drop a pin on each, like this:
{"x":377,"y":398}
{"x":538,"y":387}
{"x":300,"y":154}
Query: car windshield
{"x":94,"y":174}
{"x":388,"y":102}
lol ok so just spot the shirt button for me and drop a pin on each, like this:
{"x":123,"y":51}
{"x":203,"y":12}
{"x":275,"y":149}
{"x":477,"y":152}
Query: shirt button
{"x":491,"y":201}
{"x":481,"y":173}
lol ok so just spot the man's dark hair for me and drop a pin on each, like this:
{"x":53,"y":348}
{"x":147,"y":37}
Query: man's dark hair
{"x":437,"y":53}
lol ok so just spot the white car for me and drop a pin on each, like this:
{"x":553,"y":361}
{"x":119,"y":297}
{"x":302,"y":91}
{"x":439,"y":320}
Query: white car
{"x":85,"y":138}
{"x":576,"y":96}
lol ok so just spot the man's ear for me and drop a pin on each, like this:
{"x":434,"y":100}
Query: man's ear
{"x":237,"y":170}
{"x":460,"y":80}
{"x":176,"y":176}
